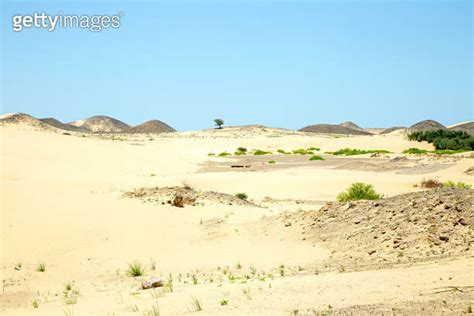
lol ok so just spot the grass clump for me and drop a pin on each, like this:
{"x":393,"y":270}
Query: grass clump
{"x":224,"y":154}
{"x":224,"y":302}
{"x":70,"y":293}
{"x":242,"y":196}
{"x":135,"y":269}
{"x":353,"y":152}
{"x":196,"y":305}
{"x":414,"y":150}
{"x":281,"y":151}
{"x":316,"y":158}
{"x":460,"y":185}
{"x":271,"y":161}
{"x":259,"y":152}
{"x":41,"y":267}
{"x":314,"y":149}
{"x":211,"y":154}
{"x":359,"y":191}
{"x":302,"y":152}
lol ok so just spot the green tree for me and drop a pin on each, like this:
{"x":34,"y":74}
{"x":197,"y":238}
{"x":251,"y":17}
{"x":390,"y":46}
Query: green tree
{"x":219,"y":123}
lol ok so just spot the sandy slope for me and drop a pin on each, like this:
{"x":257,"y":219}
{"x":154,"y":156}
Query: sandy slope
{"x":61,"y":202}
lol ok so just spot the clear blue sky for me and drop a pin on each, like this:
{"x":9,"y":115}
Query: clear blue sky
{"x":279,"y":63}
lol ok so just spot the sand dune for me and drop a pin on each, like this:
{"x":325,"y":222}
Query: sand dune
{"x":63,"y":204}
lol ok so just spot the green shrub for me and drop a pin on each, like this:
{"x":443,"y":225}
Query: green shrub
{"x":242,"y":149}
{"x":359,"y":191}
{"x":316,"y":158}
{"x":223,"y":154}
{"x":259,"y":152}
{"x":415,"y":151}
{"x":314,"y":149}
{"x":242,"y":196}
{"x":353,"y":152}
{"x":461,"y":185}
{"x":211,"y":154}
{"x":445,"y":139}
{"x":135,"y":269}
{"x":281,"y":151}
{"x":271,"y":161}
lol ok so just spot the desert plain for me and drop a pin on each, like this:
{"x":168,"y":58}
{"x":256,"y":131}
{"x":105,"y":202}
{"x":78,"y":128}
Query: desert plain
{"x":78,"y":210}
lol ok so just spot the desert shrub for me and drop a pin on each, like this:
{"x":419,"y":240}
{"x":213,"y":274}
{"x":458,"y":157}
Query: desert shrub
{"x":211,"y":154}
{"x":223,"y":154}
{"x":445,"y":139}
{"x":314,"y":149}
{"x":135,"y":269}
{"x":242,"y":196}
{"x":359,"y":191}
{"x":271,"y":161}
{"x":415,"y":151}
{"x":353,"y":152}
{"x":316,"y":158}
{"x":431,"y":184}
{"x":242,"y":149}
{"x":259,"y":152}
{"x":461,"y":185}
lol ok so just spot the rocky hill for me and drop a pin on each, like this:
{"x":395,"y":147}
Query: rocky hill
{"x":332,"y":129}
{"x":153,"y":126}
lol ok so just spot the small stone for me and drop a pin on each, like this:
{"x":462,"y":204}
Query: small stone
{"x":152,"y":283}
{"x":443,"y":238}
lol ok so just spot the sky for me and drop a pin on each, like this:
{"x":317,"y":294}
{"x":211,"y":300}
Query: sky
{"x":277,"y":63}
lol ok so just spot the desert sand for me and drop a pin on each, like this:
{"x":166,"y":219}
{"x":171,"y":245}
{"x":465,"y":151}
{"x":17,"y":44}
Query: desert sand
{"x":64,"y":203}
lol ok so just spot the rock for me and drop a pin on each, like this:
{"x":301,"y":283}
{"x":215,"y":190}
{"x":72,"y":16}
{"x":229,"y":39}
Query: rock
{"x":443,"y":238}
{"x":178,"y":201}
{"x":152,"y":283}
{"x":463,"y":222}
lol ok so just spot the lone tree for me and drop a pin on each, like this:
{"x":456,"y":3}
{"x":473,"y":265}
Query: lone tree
{"x":219,"y":123}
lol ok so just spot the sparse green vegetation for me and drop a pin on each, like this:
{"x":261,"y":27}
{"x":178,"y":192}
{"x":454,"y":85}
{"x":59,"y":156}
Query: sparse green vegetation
{"x":445,"y":139}
{"x":271,"y":161}
{"x":316,"y":158}
{"x":302,"y":152}
{"x":135,"y":269}
{"x":460,"y":185}
{"x":224,"y":154}
{"x":224,"y":302}
{"x":438,"y":151}
{"x":211,"y":154}
{"x":35,"y":303}
{"x":353,"y":152}
{"x":281,"y":151}
{"x":259,"y":152}
{"x":242,"y":196}
{"x":415,"y":151}
{"x":359,"y":191}
{"x":70,"y":293}
{"x":314,"y":149}
{"x":196,"y":305}
{"x":41,"y":267}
